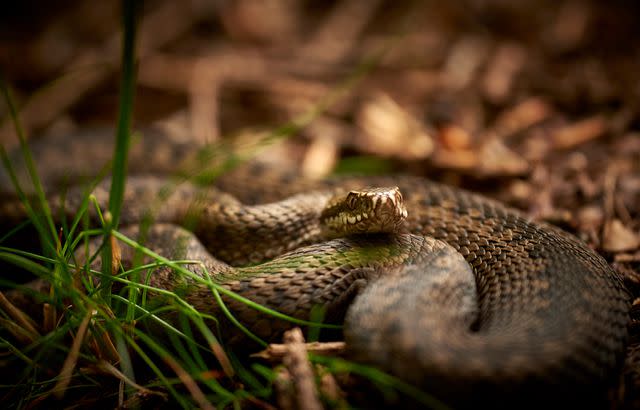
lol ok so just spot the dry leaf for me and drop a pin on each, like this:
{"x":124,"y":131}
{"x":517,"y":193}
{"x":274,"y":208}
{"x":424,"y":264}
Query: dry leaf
{"x":618,"y":238}
{"x":390,"y":130}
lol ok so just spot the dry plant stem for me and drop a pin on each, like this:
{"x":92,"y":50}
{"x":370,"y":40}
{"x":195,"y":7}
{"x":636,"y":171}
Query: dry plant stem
{"x":276,"y":352}
{"x":297,"y":363}
{"x":260,"y":404}
{"x":116,"y":256}
{"x":190,"y":384}
{"x":223,"y":359}
{"x":19,"y":316}
{"x":49,"y":315}
{"x":93,"y":67}
{"x":20,"y":333}
{"x":111,"y":369}
{"x":104,"y":347}
{"x":72,"y":358}
{"x":121,"y":393}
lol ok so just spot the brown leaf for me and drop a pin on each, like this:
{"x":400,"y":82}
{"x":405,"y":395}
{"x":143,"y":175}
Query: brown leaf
{"x":618,"y":238}
{"x":495,"y":158}
{"x":389,"y":129}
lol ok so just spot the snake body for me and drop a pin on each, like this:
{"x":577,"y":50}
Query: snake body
{"x":472,"y":300}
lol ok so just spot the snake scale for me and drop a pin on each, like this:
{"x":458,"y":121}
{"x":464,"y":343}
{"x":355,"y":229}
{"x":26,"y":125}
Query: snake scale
{"x":470,"y":301}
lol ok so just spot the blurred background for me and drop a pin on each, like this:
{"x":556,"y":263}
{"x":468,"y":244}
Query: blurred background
{"x":536,"y":103}
{"x":533,"y":102}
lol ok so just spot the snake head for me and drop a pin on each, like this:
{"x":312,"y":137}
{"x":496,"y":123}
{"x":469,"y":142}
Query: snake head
{"x":369,"y":210}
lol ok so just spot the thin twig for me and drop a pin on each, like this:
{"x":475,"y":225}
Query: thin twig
{"x":275,"y":352}
{"x":299,"y":367}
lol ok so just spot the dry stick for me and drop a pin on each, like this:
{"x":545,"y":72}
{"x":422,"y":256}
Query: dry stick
{"x":276,"y":352}
{"x":92,"y":67}
{"x":297,"y":362}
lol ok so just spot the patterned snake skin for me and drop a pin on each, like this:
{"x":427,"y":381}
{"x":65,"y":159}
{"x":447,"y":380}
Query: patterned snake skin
{"x":531,"y":313}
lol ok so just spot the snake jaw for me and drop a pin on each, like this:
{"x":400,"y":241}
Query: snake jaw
{"x":370,"y":210}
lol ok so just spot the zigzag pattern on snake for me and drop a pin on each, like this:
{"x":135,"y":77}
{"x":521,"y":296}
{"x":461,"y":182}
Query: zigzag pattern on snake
{"x":531,"y":311}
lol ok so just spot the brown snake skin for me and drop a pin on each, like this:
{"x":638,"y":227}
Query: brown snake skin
{"x":538,"y":312}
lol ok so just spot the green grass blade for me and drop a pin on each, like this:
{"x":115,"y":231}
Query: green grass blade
{"x":26,"y":264}
{"x":375,"y":375}
{"x":35,"y":219}
{"x":31,"y":168}
{"x":216,"y":286}
{"x":127,"y":89}
{"x":123,"y":136}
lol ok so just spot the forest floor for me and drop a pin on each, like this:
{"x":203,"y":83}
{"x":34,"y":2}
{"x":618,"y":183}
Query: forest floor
{"x":534,"y":103}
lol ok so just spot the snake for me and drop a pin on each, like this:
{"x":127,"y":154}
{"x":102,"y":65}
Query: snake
{"x":448,"y":290}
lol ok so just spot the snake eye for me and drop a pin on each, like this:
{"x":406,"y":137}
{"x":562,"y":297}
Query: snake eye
{"x":352,"y":200}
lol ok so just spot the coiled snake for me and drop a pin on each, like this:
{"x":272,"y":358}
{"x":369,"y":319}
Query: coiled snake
{"x":470,"y":299}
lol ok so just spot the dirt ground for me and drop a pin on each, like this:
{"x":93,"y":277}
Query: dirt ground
{"x":535,"y":103}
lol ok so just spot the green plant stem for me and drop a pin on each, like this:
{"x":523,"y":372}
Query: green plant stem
{"x":121,"y":151}
{"x":127,"y":89}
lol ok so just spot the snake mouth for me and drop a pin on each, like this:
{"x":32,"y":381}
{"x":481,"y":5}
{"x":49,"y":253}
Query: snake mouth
{"x":369,"y":210}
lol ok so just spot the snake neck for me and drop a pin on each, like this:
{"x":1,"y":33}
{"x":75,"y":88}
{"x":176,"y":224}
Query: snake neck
{"x":247,"y":234}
